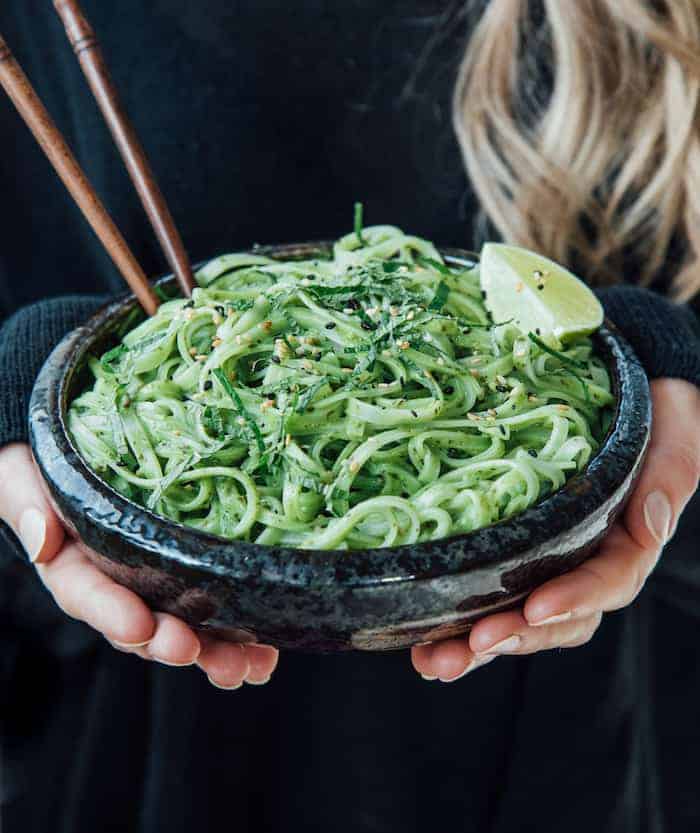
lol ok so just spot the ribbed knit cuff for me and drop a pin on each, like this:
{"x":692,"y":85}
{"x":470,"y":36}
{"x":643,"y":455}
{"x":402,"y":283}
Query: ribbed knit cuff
{"x":26,"y":339}
{"x":665,"y":336}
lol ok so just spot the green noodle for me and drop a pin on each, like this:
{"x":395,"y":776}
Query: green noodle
{"x":367,"y":400}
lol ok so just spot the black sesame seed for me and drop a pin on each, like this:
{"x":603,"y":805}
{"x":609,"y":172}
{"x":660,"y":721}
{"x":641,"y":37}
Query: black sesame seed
{"x":208,"y":385}
{"x":502,"y":388}
{"x":276,"y":359}
{"x":467,"y":330}
{"x":220,"y":309}
{"x":532,"y":452}
{"x":353,"y":303}
{"x":540,"y":286}
{"x":414,"y":414}
{"x":366,"y":326}
{"x":537,"y":330}
{"x":188,"y":305}
{"x":330,"y":325}
{"x":449,"y":390}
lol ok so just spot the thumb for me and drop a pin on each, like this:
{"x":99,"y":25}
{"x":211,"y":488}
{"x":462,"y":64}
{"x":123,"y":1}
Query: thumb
{"x":670,"y":474}
{"x":23,"y":506}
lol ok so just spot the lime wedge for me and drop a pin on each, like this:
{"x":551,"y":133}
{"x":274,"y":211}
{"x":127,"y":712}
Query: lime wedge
{"x":536,"y":293}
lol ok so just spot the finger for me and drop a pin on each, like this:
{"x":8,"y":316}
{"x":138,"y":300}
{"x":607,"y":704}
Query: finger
{"x":445,"y":661}
{"x":23,"y":506}
{"x":173,"y":642}
{"x":88,"y":595}
{"x":609,"y":581}
{"x":262,"y":660}
{"x":510,"y":633}
{"x":226,"y":664}
{"x":672,"y":467}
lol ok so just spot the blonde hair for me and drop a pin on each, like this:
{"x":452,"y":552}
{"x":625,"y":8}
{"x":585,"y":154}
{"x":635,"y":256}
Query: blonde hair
{"x":606,"y":163}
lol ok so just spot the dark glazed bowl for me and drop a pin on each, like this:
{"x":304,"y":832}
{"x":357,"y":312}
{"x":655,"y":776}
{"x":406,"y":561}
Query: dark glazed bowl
{"x":331,"y":600}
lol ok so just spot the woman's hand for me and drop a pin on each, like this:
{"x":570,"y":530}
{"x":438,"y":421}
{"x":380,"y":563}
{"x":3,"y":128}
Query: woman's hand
{"x":85,"y":593}
{"x":566,"y":611}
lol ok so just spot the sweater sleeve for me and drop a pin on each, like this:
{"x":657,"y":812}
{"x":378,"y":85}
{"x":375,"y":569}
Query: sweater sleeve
{"x":665,"y":336}
{"x":26,"y":339}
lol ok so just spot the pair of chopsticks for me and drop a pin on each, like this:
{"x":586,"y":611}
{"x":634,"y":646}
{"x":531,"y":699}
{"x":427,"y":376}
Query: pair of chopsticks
{"x":19,"y":89}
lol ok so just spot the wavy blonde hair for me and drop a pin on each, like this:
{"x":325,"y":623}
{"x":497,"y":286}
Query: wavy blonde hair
{"x":606,"y":164}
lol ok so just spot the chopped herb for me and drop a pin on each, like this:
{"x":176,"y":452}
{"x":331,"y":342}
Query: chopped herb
{"x":440,"y":296}
{"x":112,"y":356}
{"x":308,"y":395}
{"x":552,"y":352}
{"x":359,"y":210}
{"x":240,"y":407}
{"x":435,"y":264}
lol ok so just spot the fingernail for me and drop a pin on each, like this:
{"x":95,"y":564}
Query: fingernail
{"x":32,"y":532}
{"x":129,"y":645}
{"x":257,"y":682}
{"x":505,"y":646}
{"x":427,"y":678}
{"x":554,"y":620}
{"x":224,"y":687}
{"x":657,"y":514}
{"x":477,"y":662}
{"x":173,"y":664}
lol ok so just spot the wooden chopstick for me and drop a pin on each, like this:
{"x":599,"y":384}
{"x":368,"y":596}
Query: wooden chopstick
{"x":87,"y":50}
{"x":24,"y":97}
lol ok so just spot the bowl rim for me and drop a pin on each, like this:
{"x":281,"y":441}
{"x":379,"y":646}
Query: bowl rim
{"x":560,"y":511}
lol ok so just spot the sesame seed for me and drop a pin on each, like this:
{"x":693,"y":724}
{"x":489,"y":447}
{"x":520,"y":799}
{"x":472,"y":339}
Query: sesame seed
{"x":492,"y":412}
{"x":268,"y":403}
{"x":519,"y":286}
{"x":563,"y":409}
{"x":217,"y":342}
{"x":475,"y":360}
{"x":532,"y":398}
{"x":404,"y":345}
{"x":354,"y":466}
{"x":200,"y":358}
{"x":287,"y":439}
{"x":474,"y":372}
{"x":193,"y":351}
{"x":410,"y":315}
{"x":266,"y":325}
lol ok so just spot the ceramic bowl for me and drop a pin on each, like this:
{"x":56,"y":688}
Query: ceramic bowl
{"x":331,"y":600}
